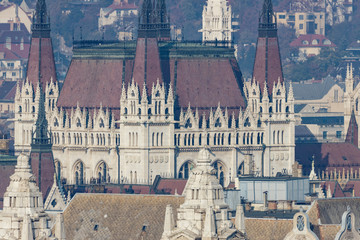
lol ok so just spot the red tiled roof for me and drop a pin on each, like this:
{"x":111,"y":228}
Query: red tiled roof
{"x":171,"y":186}
{"x":312,"y":40}
{"x":205,"y":82}
{"x":47,"y":68}
{"x":8,"y":54}
{"x":267,"y":67}
{"x":327,"y":156}
{"x":147,"y":63}
{"x":94,"y":82}
{"x":5,"y":172}
{"x":335,"y":188}
{"x":202,"y":81}
{"x":352,"y":132}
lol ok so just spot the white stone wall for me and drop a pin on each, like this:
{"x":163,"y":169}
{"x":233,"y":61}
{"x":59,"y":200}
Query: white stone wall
{"x":147,"y":141}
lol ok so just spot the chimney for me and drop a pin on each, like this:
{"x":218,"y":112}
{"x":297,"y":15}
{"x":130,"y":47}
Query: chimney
{"x":265,"y":199}
{"x":272,"y":205}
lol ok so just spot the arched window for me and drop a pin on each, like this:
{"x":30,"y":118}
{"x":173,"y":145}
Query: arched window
{"x":185,"y":169}
{"x":278,"y":137}
{"x":217,"y":123}
{"x":79,"y":173}
{"x":157,"y":139}
{"x":101,"y":124}
{"x":78,"y":123}
{"x":175,"y":140}
{"x":274,"y":137}
{"x":101,"y":172}
{"x":153,"y":139}
{"x":200,"y":139}
{"x":258,"y":138}
{"x":219,"y":171}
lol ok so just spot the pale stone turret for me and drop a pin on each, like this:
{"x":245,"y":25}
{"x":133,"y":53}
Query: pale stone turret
{"x":204,"y":214}
{"x":169,"y":223}
{"x":240,"y":219}
{"x":59,"y":227}
{"x":23,"y":215}
{"x":313,"y":175}
{"x":27,"y":232}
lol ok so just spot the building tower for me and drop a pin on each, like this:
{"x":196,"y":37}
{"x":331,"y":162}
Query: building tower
{"x":204,"y":213}
{"x":267,"y":67}
{"x":23,"y":216}
{"x":41,"y":156}
{"x":217,"y":21}
{"x":41,"y":64}
{"x":40,"y":70}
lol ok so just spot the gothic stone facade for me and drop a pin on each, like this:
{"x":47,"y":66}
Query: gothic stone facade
{"x":147,"y":140}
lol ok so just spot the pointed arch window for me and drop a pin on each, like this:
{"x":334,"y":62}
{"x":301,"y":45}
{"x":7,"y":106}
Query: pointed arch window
{"x":218,"y":123}
{"x":101,"y":124}
{"x":78,"y":123}
{"x":188,"y":123}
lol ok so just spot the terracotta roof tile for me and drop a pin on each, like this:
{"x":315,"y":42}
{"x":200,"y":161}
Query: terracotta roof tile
{"x":267,"y":66}
{"x":111,"y":216}
{"x":171,"y":186}
{"x":312,"y":40}
{"x":327,"y":156}
{"x":47,"y":67}
{"x":93,"y":82}
{"x":269,"y":229}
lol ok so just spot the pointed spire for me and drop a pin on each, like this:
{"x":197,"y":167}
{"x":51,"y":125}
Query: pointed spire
{"x":144,"y":98}
{"x":265,"y":93}
{"x":169,"y":222}
{"x":123,"y":92}
{"x":328,"y":192}
{"x":233,"y":121}
{"x":146,"y":15}
{"x":209,"y":225}
{"x":203,"y":124}
{"x":267,"y":16}
{"x":41,"y":135}
{"x":41,"y":21}
{"x":240,"y":218}
{"x":59,"y":227}
{"x":291,"y":92}
{"x":170,"y":94}
{"x":27,"y":231}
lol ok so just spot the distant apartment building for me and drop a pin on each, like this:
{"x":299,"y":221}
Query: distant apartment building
{"x":14,"y":50}
{"x":121,"y":14}
{"x":319,"y":107}
{"x":303,"y":22}
{"x":311,"y":45}
{"x":12,"y":13}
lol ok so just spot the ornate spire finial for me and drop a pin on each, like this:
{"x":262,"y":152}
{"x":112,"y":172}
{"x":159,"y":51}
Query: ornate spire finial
{"x":41,"y":21}
{"x":267,"y":26}
{"x":41,"y":135}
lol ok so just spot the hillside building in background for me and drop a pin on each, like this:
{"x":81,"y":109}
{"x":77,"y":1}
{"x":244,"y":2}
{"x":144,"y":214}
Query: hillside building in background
{"x":12,"y":13}
{"x":121,"y":15}
{"x":217,"y":21}
{"x":304,"y":22}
